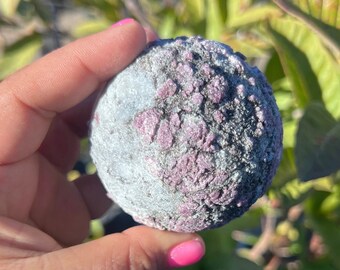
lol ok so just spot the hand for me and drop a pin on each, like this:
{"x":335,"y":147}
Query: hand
{"x":44,"y":110}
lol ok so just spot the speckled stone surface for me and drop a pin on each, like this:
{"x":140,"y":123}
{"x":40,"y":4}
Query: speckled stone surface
{"x":187,"y":137}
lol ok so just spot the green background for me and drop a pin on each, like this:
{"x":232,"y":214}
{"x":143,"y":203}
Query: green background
{"x":297,"y":45}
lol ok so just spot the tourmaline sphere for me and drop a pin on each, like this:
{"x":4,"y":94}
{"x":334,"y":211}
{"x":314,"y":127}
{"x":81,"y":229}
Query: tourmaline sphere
{"x":188,"y":136}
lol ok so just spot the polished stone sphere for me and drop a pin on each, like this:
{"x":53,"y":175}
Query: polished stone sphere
{"x":188,"y":136}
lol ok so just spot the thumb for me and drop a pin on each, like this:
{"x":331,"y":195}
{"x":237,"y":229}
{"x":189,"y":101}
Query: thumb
{"x":136,"y":248}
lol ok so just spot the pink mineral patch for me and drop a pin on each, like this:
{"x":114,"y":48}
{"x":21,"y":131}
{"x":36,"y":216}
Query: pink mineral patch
{"x":195,"y":132}
{"x":207,"y":70}
{"x":197,"y":99}
{"x":188,"y":90}
{"x":252,"y":98}
{"x":214,"y":94}
{"x":167,"y":90}
{"x":216,"y":89}
{"x":207,"y":146}
{"x":175,"y":122}
{"x":213,"y":196}
{"x":188,"y":56}
{"x":197,"y":83}
{"x":203,"y":162}
{"x":146,"y":123}
{"x":185,"y":70}
{"x":240,"y":90}
{"x":164,"y":135}
{"x":185,"y":164}
{"x":251,"y":81}
{"x":218,"y":116}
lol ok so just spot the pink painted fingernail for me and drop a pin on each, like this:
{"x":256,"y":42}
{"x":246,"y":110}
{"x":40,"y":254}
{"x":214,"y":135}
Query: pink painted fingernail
{"x":122,"y":22}
{"x":186,"y":253}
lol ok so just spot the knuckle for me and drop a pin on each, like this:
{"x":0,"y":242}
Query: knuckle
{"x":139,"y":258}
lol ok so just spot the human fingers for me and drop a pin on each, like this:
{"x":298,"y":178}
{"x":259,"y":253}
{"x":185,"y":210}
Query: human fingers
{"x":151,"y":35}
{"x":76,"y":120}
{"x":60,"y":146}
{"x":136,"y":248}
{"x":93,"y":194}
{"x":30,"y":98}
{"x":34,"y":192}
{"x":78,"y":117}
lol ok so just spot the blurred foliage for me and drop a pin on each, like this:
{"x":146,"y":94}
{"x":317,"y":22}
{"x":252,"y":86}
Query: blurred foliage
{"x":297,"y":45}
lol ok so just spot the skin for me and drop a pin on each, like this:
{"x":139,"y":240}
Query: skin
{"x":44,"y":112}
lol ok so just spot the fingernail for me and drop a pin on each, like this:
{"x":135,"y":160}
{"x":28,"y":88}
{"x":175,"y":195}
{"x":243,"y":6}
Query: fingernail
{"x":186,"y":253}
{"x":122,"y":22}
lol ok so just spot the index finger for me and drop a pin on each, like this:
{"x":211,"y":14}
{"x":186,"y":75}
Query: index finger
{"x":30,"y":98}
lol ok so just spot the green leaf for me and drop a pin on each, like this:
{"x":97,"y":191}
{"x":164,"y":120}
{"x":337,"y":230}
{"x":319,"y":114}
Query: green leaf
{"x":274,"y":70}
{"x":196,"y":8}
{"x":236,"y":8}
{"x":323,"y":263}
{"x":110,"y":9}
{"x":250,"y":48}
{"x":330,"y":35}
{"x":298,"y":69}
{"x":307,"y":63}
{"x":289,"y":131}
{"x":286,"y":171}
{"x":254,"y":14}
{"x":331,"y":203}
{"x":317,"y":144}
{"x":296,"y":191}
{"x":8,"y":7}
{"x":326,"y":11}
{"x":90,"y":27}
{"x":167,"y":26}
{"x":183,"y":31}
{"x":215,"y":23}
{"x":284,"y":98}
{"x":19,"y":54}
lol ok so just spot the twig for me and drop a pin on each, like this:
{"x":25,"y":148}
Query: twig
{"x":135,"y":8}
{"x":55,"y":30}
{"x":264,"y":242}
{"x":273,"y":264}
